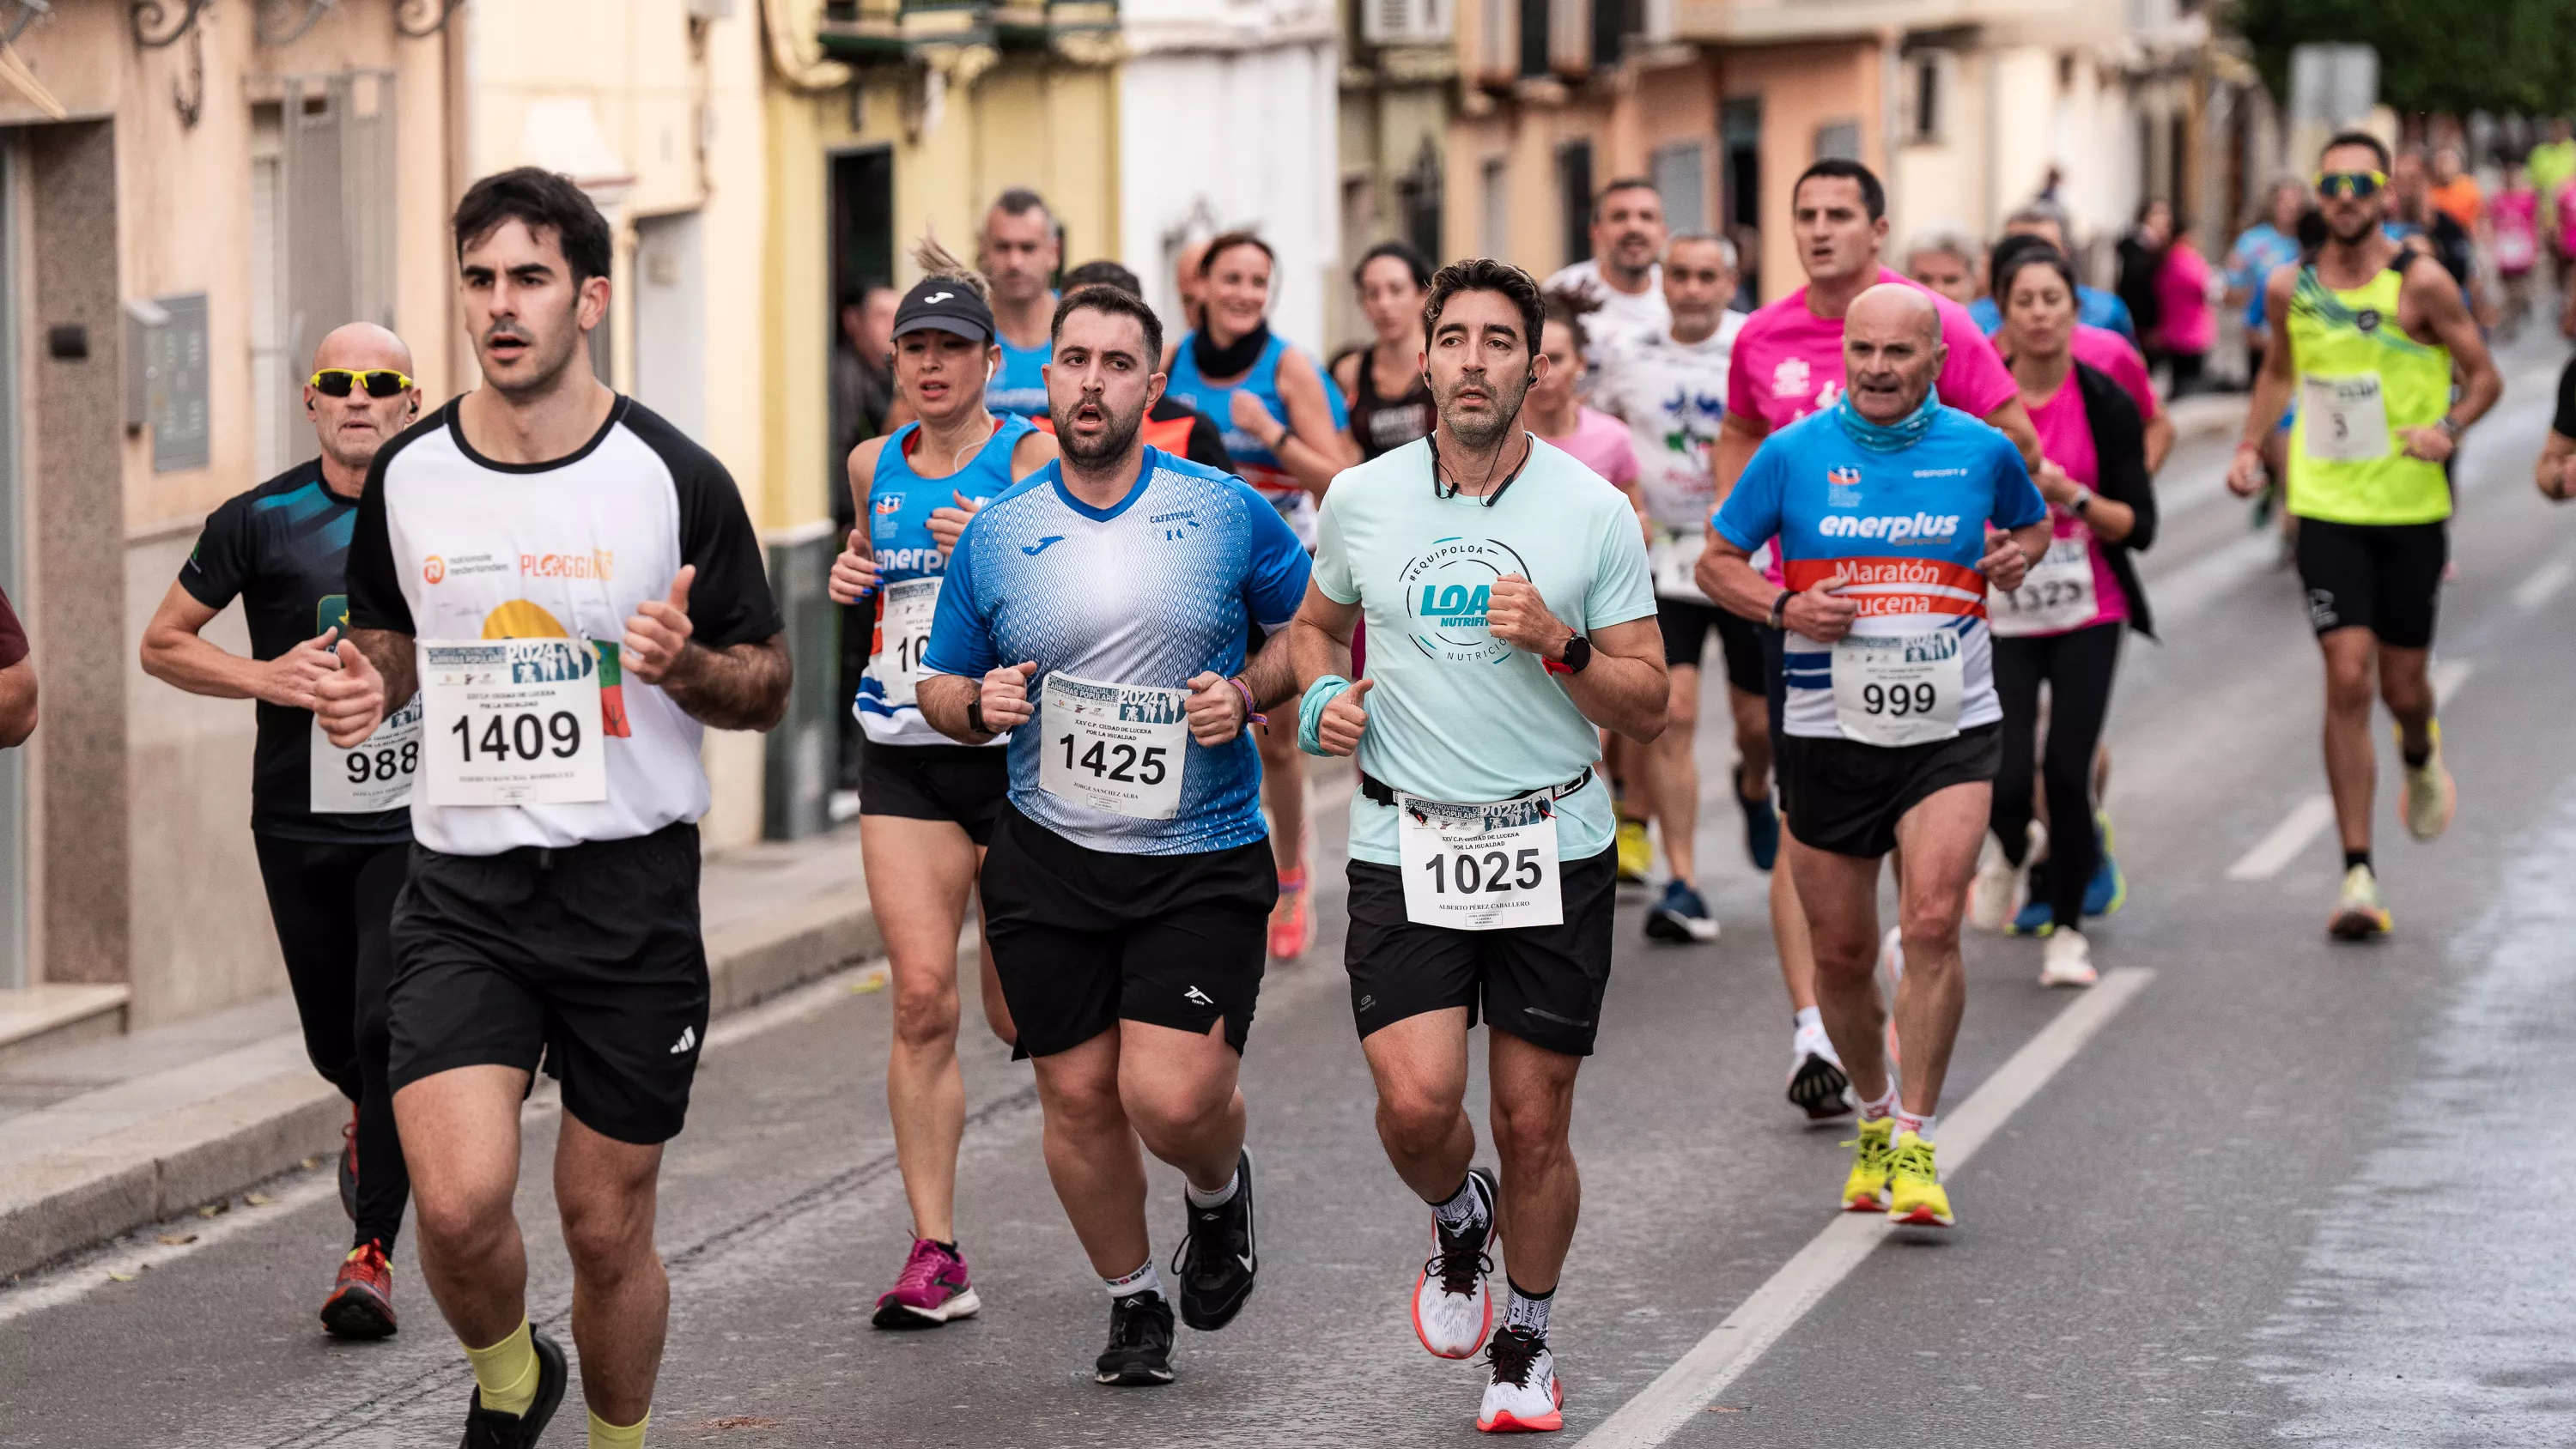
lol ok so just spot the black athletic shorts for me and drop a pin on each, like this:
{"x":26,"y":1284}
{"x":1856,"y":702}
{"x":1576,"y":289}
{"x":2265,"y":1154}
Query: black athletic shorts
{"x":1084,"y":939}
{"x":588,"y":956}
{"x":1686,"y":624}
{"x":962,"y":783}
{"x":2386,"y":578}
{"x":1543,"y":984}
{"x":1846,"y":797}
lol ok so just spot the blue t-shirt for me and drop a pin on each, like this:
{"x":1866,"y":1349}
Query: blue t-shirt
{"x":2250,"y":263}
{"x":1907,"y":529}
{"x":1019,"y":384}
{"x":900,"y":503}
{"x":1152,"y":592}
{"x":2093,"y":307}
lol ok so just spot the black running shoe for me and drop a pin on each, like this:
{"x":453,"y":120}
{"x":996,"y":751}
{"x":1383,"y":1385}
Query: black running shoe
{"x":492,"y":1429}
{"x":1139,"y":1355}
{"x":1217,"y":1262}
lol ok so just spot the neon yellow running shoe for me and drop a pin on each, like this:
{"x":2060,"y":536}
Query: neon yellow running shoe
{"x":2430,"y":796}
{"x":1636,"y":854}
{"x":1916,"y":1197}
{"x":2358,"y":915}
{"x":1865,"y":1191}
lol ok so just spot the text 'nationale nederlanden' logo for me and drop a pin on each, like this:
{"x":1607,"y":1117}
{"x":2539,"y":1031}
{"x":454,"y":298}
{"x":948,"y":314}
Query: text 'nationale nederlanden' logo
{"x":1447,"y":588}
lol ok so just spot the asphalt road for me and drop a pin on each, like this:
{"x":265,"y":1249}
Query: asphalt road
{"x":2288,"y":1190}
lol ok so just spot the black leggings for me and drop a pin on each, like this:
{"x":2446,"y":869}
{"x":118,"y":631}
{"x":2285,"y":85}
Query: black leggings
{"x":2077,"y":666}
{"x":333,"y":905}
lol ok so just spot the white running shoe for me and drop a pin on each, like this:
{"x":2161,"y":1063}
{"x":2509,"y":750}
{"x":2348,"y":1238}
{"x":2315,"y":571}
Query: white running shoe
{"x":1524,"y":1395}
{"x":2431,"y":797}
{"x":1995,"y":896}
{"x":2068,"y":961}
{"x":1453,"y":1301}
{"x":1817,"y":1085}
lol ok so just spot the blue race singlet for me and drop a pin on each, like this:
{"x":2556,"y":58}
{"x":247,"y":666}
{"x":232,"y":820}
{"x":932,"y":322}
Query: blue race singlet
{"x":1257,"y":465}
{"x":911,"y":565}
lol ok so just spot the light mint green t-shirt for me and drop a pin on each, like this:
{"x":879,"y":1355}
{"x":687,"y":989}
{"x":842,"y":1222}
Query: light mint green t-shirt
{"x":1455,"y":713}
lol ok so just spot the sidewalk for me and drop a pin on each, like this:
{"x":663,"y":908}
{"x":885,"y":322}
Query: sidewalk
{"x":99,"y":1139}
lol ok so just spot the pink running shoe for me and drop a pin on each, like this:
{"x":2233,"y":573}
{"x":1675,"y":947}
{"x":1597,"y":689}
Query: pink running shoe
{"x":932,"y":1290}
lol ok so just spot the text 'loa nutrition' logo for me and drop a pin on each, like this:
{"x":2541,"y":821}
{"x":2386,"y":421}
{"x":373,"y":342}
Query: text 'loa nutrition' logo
{"x":1447,"y":589}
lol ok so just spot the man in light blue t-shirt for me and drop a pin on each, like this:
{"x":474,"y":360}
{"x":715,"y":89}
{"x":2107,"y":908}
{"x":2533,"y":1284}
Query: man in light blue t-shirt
{"x":1511,"y":616}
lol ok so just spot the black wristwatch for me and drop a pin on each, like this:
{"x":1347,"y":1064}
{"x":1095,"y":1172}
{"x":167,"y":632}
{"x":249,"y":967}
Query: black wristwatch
{"x":1578,"y":653}
{"x":975,"y":716}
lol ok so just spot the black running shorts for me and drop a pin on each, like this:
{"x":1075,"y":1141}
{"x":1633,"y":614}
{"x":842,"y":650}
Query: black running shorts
{"x":2386,"y":578}
{"x":1543,"y":984}
{"x":964,"y":784}
{"x":588,"y":956}
{"x":1084,"y":939}
{"x":1686,"y":624}
{"x":1846,"y":797}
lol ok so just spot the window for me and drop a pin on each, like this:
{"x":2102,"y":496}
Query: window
{"x":1534,"y":27}
{"x":1494,"y":37}
{"x":1681,"y":178}
{"x":1574,"y":193}
{"x":1930,"y":77}
{"x":1418,"y":199}
{"x":1613,"y":22}
{"x":1494,"y":201}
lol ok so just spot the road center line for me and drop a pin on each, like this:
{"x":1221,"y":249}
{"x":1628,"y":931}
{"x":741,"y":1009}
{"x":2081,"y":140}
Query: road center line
{"x":2448,"y":676}
{"x":2306,"y":821}
{"x":2543,"y":585}
{"x":1699,"y":1376}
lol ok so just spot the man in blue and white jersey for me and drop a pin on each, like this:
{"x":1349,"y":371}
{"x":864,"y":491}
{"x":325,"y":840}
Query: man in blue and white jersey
{"x":1018,"y":252}
{"x":1097,"y":610}
{"x":1885,"y":509}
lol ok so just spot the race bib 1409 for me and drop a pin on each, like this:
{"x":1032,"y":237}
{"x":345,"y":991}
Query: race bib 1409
{"x":512,"y":721}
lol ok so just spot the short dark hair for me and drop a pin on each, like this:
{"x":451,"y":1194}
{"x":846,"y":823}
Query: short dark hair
{"x":2018,"y":252}
{"x":542,"y":201}
{"x":1020,"y":201}
{"x":1601,"y":198}
{"x":1227,"y":241}
{"x":1103,"y":273}
{"x":1873,"y":196}
{"x":1403,"y":251}
{"x":1116,"y":302}
{"x":2341,"y":139}
{"x":1484,"y":274}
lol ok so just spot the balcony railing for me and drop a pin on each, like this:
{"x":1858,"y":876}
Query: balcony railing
{"x":889,"y":29}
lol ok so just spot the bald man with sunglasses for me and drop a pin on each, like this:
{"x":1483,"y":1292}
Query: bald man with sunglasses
{"x":331,"y":826}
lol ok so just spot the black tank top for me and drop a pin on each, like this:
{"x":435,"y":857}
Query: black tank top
{"x":1383,"y":425}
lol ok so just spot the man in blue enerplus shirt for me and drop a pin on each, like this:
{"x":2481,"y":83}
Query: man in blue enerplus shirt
{"x":1097,"y":610}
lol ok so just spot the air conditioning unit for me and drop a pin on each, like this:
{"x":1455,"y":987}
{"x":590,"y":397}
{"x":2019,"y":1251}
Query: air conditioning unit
{"x":1404,"y":22}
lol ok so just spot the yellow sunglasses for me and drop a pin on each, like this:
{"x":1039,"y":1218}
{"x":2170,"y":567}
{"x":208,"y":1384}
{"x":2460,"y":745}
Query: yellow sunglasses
{"x":341,"y":381}
{"x":2336,"y":184}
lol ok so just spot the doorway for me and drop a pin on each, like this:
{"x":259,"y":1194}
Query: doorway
{"x":861,"y":207}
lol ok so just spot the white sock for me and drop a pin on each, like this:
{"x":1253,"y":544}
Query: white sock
{"x":1880,"y":1108}
{"x":1920,"y":1126}
{"x":1529,"y":1312}
{"x":1218,"y":1198}
{"x":1143,"y":1280}
{"x":1467,"y":1206}
{"x":1810,"y":1019}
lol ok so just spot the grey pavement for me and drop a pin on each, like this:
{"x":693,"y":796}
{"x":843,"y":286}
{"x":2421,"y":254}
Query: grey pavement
{"x":2291,"y":1192}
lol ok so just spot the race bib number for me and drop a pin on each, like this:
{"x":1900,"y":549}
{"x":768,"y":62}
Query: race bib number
{"x":1674,"y":557}
{"x":373,"y":776}
{"x":2055,"y":596}
{"x":512,"y":722}
{"x":903,"y":636}
{"x":1899,"y":689}
{"x":1479,"y":867}
{"x":1113,"y":747}
{"x":2347,"y":418}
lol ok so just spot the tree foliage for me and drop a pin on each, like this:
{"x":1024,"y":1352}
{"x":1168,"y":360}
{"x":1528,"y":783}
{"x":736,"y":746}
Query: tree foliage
{"x":2434,"y":55}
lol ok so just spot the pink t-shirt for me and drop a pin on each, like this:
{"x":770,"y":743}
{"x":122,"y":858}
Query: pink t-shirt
{"x":1600,"y":442}
{"x":2190,"y":324}
{"x":1789,"y":362}
{"x":2565,"y":204}
{"x":2515,"y":216}
{"x":2107,"y":351}
{"x":2066,"y":439}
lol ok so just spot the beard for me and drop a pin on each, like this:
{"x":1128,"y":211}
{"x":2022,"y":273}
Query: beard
{"x":1482,"y":432}
{"x":1117,"y":435}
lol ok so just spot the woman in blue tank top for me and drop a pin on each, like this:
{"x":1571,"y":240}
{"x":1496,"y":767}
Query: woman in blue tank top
{"x":926,"y":803}
{"x":1284,"y":429}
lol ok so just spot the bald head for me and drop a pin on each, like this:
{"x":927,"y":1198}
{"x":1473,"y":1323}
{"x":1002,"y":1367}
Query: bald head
{"x":360,"y":346}
{"x":353,"y":426}
{"x":1892,"y":350}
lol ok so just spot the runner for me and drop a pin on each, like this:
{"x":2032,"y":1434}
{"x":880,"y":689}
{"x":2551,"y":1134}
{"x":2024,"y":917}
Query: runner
{"x":1287,"y":442}
{"x":1392,"y":279}
{"x":1943,"y":258}
{"x":2063,"y":626}
{"x":2513,"y":224}
{"x":1108,"y":599}
{"x":2272,"y":241}
{"x":2376,"y":423}
{"x":1170,"y":424}
{"x":1892,"y":722}
{"x":2552,"y":165}
{"x":1623,"y":273}
{"x":1019,"y":251}
{"x":330,"y":826}
{"x":544,"y":531}
{"x":1670,"y":386}
{"x":1788,"y":364}
{"x":926,"y":803}
{"x":2094,"y":307}
{"x":1480,"y":852}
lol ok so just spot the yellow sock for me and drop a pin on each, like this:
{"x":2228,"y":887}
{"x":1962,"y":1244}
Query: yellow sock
{"x":507,"y":1371}
{"x":605,"y":1435}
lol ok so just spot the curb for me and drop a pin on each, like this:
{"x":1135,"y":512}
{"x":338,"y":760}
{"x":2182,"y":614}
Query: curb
{"x":65,"y":1201}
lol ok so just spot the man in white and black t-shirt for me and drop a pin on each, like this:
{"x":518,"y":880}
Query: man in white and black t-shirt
{"x":576,"y":591}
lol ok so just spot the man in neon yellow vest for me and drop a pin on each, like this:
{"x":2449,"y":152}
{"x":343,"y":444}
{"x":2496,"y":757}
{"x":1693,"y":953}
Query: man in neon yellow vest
{"x":2371,"y":337}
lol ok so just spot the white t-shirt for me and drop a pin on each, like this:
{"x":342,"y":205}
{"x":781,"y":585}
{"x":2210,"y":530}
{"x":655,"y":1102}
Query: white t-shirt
{"x":453,"y":546}
{"x":1621,"y":315}
{"x":1672,"y":395}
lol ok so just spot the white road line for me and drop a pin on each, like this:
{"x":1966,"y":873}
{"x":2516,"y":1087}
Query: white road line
{"x":2306,"y":821}
{"x":2448,"y":676}
{"x":2543,"y":585}
{"x":1678,"y":1395}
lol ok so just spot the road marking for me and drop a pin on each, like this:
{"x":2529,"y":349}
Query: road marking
{"x":2306,"y":821}
{"x":2448,"y":676}
{"x":1677,"y":1396}
{"x":2543,"y":585}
